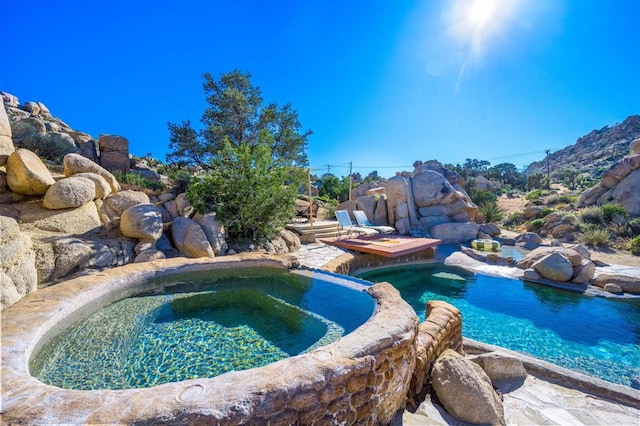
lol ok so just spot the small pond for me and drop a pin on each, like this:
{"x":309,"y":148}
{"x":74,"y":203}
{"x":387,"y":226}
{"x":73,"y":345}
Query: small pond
{"x":201,"y":324}
{"x":592,"y":335}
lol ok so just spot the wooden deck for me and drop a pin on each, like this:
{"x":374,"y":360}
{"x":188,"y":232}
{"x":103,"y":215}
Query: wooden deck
{"x":383,"y":245}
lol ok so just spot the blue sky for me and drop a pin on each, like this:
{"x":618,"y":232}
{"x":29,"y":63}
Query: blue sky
{"x":380,"y":83}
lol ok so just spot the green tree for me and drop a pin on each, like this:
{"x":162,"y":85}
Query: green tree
{"x":252,"y":192}
{"x":236,"y":115}
{"x":507,"y":173}
{"x":334,"y":188}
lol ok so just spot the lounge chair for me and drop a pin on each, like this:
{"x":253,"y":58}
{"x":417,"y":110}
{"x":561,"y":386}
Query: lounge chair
{"x":345,"y":223}
{"x":361,"y":218}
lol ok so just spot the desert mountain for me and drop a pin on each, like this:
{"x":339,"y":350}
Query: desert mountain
{"x":595,"y":152}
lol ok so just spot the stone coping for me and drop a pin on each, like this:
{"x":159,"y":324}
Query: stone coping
{"x":565,"y":377}
{"x":29,"y":324}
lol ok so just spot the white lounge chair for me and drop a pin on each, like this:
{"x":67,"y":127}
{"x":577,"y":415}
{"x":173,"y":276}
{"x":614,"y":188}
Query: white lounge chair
{"x":361,"y":218}
{"x":345,"y":223}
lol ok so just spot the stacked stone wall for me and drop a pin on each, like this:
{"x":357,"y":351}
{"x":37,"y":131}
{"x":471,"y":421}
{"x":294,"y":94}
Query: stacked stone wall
{"x":441,"y":330}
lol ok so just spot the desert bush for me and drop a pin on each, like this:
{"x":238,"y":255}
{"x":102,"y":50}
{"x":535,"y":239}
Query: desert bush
{"x":533,"y":195}
{"x":535,"y":224}
{"x":634,"y":246}
{"x":482,"y":197}
{"x":609,"y":211}
{"x":545,"y":211}
{"x":491,"y":212}
{"x":514,"y":219}
{"x":620,"y":226}
{"x":595,"y":237}
{"x":635,"y":226}
{"x":137,"y":182}
{"x":591,"y":215}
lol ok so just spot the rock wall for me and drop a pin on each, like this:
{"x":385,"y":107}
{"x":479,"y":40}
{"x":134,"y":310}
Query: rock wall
{"x":429,"y":201}
{"x":441,"y":330}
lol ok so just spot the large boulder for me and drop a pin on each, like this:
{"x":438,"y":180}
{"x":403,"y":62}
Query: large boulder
{"x":627,"y":278}
{"x":555,"y":267}
{"x":27,"y":174}
{"x":367,"y":204}
{"x":67,"y":221}
{"x":620,"y":170}
{"x":190,"y":239}
{"x":528,"y":240}
{"x":114,"y":152}
{"x":18,"y":276}
{"x":124,"y":199}
{"x":499,"y":366}
{"x":455,"y":232}
{"x":627,"y":193}
{"x":584,"y":273}
{"x":465,"y":390}
{"x":142,"y":221}
{"x":573,"y":255}
{"x":76,"y":163}
{"x":215,"y":232}
{"x":431,"y":188}
{"x":69,"y":192}
{"x":6,"y":143}
{"x":591,"y":195}
{"x":397,"y":189}
{"x":102,"y":187}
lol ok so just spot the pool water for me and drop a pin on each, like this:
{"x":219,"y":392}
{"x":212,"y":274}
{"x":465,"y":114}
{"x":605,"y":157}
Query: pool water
{"x":201,"y":325}
{"x":591,"y":335}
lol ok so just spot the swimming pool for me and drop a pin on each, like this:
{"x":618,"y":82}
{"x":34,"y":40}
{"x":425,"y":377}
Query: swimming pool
{"x":201,"y":324}
{"x":592,"y":335}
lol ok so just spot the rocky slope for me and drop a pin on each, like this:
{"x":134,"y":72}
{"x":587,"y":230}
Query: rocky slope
{"x":595,"y":152}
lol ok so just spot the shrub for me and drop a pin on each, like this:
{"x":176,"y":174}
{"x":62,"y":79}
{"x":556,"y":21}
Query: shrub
{"x":609,"y":211}
{"x":482,"y":197}
{"x":591,"y":215}
{"x":535,"y":194}
{"x":634,"y":246}
{"x":330,"y":207}
{"x":635,"y":225}
{"x":620,"y":226}
{"x":135,"y":181}
{"x":545,"y":211}
{"x":596,"y":237}
{"x":252,"y":193}
{"x":535,"y":224}
{"x":491,"y":212}
{"x":514,"y":219}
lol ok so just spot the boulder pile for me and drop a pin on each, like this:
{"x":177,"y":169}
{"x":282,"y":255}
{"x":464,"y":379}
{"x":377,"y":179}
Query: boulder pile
{"x":431,"y":200}
{"x":619,"y":184}
{"x":559,"y":264}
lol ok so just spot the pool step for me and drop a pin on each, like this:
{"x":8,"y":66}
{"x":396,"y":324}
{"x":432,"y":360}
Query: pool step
{"x":321,"y":229}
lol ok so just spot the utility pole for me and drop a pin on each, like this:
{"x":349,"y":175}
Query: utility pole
{"x":547,"y":151}
{"x":350,"y":171}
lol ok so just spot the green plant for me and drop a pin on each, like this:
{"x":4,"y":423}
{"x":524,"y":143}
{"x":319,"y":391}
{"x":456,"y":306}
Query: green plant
{"x":635,"y":226}
{"x":330,"y":207}
{"x":514,"y":219}
{"x":535,"y":224}
{"x":545,"y":211}
{"x":620,"y":226}
{"x":634,"y":246}
{"x":251,"y":192}
{"x":609,"y":211}
{"x":491,"y":212}
{"x":137,"y":181}
{"x":595,"y":237}
{"x":535,"y":194}
{"x":482,"y":197}
{"x":236,"y":115}
{"x":591,"y":215}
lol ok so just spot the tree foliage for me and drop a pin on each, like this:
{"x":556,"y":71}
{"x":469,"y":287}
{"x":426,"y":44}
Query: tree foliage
{"x":334,"y":188}
{"x":251,"y":192}
{"x":236,"y":115}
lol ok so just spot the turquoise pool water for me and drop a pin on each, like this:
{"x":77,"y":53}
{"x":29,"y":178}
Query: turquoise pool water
{"x":592,"y":335}
{"x":201,"y":325}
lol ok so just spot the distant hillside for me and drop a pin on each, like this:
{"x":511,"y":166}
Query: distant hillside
{"x":595,"y":152}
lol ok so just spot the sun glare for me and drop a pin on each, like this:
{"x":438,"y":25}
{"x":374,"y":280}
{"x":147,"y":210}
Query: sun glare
{"x":474,"y":22}
{"x":481,"y":12}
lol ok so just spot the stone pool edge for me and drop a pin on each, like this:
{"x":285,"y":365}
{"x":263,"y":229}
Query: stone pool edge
{"x":362,"y":377}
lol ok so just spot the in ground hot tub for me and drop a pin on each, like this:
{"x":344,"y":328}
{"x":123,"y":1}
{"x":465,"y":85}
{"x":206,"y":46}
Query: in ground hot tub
{"x":201,"y":324}
{"x":349,"y":350}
